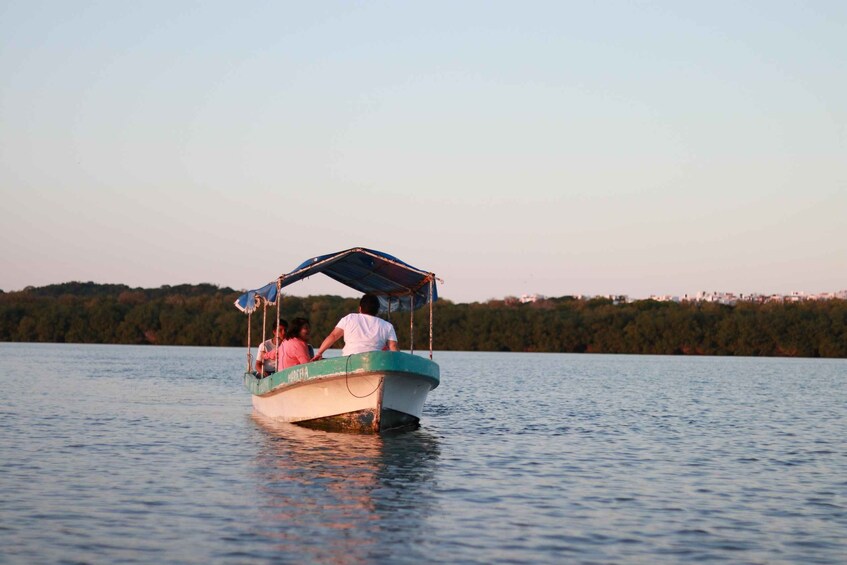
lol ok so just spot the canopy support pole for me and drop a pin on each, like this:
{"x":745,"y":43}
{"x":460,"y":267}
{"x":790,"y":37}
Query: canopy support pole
{"x":411,"y":322}
{"x":249,"y":327}
{"x":276,"y":333}
{"x":264,"y":319}
{"x":431,"y":283}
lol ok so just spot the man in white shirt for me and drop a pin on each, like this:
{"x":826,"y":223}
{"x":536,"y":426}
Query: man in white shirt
{"x":362,"y":332}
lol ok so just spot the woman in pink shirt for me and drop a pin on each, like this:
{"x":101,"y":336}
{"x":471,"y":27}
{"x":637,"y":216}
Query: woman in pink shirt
{"x":296,"y":350}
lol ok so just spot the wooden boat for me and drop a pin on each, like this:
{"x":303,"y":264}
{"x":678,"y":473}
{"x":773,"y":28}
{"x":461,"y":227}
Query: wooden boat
{"x":366,"y":392}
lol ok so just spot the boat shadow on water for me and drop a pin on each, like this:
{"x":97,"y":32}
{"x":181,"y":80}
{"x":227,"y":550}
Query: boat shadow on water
{"x":339,"y":497}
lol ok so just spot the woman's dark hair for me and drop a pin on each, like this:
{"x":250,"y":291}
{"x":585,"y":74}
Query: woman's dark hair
{"x":296,"y":325}
{"x":369,"y":304}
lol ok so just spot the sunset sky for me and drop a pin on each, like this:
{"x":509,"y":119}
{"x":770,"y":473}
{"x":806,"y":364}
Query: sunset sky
{"x":510,"y":147}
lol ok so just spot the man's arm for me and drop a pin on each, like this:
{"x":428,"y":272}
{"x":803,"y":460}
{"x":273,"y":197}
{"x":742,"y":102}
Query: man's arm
{"x":392,"y":345}
{"x":330,"y":340}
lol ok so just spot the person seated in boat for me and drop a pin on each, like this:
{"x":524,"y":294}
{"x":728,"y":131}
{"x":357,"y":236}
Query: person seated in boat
{"x":362,"y":331}
{"x":266,"y":357}
{"x":297,"y":349}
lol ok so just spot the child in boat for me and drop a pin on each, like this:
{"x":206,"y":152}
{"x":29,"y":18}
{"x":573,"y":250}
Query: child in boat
{"x":266,"y":357}
{"x":362,"y":331}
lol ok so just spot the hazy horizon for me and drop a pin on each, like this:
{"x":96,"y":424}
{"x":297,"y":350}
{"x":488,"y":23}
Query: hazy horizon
{"x":551,"y":148}
{"x":346,"y":292}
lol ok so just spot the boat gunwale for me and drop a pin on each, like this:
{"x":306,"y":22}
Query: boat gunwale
{"x":361,"y":364}
{"x":285,"y":387}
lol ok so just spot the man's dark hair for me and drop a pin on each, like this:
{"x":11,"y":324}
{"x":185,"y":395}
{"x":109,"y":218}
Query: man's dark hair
{"x":283,"y":324}
{"x":369,"y":304}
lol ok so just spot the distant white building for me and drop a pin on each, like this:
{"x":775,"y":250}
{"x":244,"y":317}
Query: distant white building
{"x":664,"y":298}
{"x":716,"y":297}
{"x":728,"y":298}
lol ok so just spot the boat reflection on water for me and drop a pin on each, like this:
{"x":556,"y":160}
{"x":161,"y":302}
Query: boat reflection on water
{"x":343,"y":498}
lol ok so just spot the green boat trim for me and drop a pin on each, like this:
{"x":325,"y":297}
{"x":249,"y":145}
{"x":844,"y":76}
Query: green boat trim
{"x":360,"y":363}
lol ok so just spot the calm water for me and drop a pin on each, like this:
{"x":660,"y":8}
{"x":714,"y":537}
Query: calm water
{"x":152,"y":454}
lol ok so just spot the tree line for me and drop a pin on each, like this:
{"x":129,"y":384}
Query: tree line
{"x":204,"y":314}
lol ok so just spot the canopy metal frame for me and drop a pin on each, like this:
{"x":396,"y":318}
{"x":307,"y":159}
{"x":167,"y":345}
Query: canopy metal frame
{"x":364,"y":270}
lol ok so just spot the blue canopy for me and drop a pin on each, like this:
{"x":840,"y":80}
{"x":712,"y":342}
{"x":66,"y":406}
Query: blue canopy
{"x":398,"y":285}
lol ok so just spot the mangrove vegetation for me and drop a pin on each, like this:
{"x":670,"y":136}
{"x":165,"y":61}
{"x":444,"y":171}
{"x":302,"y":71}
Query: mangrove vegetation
{"x":204,"y":314}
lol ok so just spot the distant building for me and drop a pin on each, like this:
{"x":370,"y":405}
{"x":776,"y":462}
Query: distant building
{"x":664,"y":298}
{"x":728,"y":298}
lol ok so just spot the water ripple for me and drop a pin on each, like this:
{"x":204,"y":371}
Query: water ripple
{"x":141,"y":454}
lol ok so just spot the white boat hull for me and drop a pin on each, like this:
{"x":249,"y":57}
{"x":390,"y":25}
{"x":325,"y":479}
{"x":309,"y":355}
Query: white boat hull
{"x":368,"y":392}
